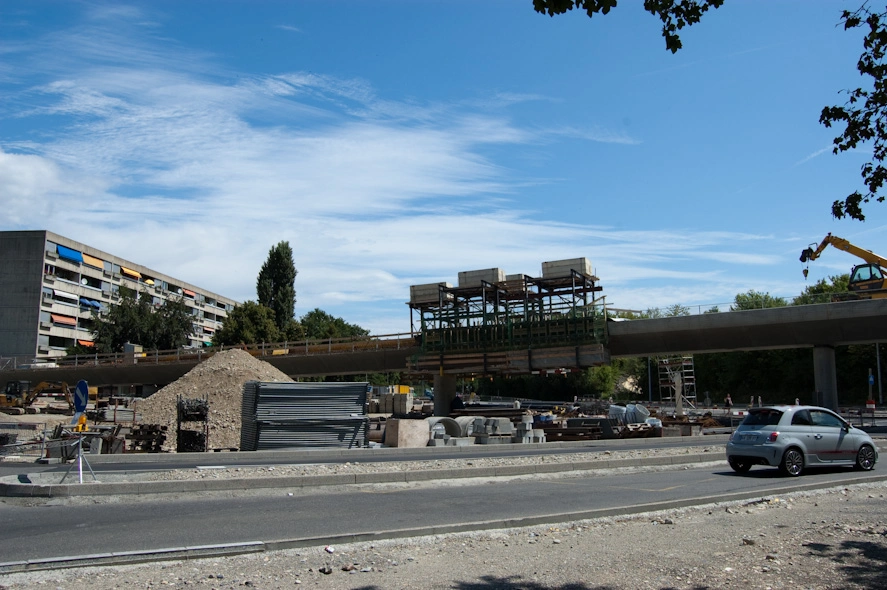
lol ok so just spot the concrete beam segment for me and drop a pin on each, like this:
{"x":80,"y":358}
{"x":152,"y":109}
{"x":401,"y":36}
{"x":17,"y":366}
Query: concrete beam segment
{"x":832,"y":324}
{"x":801,"y":326}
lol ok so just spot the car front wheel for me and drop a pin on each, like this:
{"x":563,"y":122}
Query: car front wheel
{"x":792,"y":463}
{"x":739,"y":466}
{"x":865,"y":458}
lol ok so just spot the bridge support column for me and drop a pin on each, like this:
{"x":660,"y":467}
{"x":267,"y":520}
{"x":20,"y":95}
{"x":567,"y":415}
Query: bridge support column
{"x":825,"y":377}
{"x":444,"y":392}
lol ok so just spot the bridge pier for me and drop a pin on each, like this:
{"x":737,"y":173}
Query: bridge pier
{"x":444,"y":392}
{"x":825,"y":377}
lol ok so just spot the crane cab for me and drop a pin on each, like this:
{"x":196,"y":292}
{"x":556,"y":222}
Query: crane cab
{"x":865,"y":278}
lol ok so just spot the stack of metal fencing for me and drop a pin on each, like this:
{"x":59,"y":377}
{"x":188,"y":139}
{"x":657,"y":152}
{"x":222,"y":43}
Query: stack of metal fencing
{"x":290,"y":415}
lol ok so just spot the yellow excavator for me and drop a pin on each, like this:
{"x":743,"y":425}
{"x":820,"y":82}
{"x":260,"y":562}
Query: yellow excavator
{"x":867,"y":281}
{"x":19,"y":395}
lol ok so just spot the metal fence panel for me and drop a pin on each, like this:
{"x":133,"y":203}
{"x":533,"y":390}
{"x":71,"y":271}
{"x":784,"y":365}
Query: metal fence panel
{"x":308,"y":414}
{"x":22,"y":439}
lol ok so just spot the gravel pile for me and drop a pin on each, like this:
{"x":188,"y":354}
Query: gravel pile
{"x":835,"y":539}
{"x":220,"y":380}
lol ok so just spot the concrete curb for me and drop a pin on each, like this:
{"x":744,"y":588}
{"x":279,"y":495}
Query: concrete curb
{"x":369,"y":454}
{"x":207,"y":551}
{"x":18,"y":490}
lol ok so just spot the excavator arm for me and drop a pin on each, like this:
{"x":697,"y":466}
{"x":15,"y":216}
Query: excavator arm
{"x":56,"y":387}
{"x":810,"y":253}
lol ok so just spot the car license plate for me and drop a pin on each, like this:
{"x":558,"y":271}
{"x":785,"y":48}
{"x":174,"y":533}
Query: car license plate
{"x":751,"y":437}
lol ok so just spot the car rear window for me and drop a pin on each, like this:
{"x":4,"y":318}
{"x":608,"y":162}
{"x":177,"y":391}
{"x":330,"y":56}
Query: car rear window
{"x":765,"y":417}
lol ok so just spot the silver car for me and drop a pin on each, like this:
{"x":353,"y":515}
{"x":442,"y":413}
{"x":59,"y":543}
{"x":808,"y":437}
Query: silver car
{"x":796,"y":437}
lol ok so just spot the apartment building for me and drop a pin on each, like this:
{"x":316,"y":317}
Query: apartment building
{"x":50,"y":284}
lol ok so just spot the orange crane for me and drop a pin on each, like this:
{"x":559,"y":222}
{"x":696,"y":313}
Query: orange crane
{"x":867,"y":281}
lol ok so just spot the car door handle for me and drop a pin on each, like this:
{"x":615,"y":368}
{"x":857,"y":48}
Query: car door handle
{"x":817,"y":436}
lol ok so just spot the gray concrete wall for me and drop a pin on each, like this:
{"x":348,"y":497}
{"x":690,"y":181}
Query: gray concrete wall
{"x":444,"y":393}
{"x":825,"y":377}
{"x":21,"y":273}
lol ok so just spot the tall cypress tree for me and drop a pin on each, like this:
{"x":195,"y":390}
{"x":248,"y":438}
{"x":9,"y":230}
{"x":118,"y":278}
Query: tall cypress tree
{"x":275,"y":286}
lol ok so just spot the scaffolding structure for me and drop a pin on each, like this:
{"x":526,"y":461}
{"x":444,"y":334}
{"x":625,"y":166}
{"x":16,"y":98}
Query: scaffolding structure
{"x":520,"y":312}
{"x":677,"y":377}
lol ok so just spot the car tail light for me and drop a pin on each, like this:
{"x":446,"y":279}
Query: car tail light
{"x":773,"y":436}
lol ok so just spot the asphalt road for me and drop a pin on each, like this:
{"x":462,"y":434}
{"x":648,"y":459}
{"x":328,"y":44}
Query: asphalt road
{"x":324,"y":515}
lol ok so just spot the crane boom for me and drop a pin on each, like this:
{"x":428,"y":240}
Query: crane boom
{"x":867,"y":281}
{"x":841,"y":244}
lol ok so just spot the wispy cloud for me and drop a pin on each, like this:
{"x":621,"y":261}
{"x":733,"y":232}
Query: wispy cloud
{"x":815,"y":154}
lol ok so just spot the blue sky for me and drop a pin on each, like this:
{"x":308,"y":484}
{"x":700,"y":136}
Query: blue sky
{"x":399,"y":142}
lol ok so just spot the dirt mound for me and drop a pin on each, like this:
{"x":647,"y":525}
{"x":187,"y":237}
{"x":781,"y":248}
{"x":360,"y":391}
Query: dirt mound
{"x":220,"y":380}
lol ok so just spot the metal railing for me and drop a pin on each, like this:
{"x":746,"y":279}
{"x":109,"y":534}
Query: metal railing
{"x":261,"y":350}
{"x":22,"y":439}
{"x":703,"y":308}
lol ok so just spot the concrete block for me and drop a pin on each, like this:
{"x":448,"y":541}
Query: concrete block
{"x":504,"y":426}
{"x":407,"y":433}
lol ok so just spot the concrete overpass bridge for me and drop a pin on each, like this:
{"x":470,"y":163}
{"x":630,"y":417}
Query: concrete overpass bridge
{"x":820,"y":327}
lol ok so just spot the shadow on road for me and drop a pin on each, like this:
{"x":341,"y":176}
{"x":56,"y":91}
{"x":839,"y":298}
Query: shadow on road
{"x":764,"y":472}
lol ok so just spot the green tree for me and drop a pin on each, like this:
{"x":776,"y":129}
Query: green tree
{"x":862,"y":115}
{"x":822,"y":290}
{"x":674,"y":14}
{"x":319,"y":324}
{"x":865,"y":111}
{"x":248,"y":323}
{"x":676,"y":310}
{"x":756,"y":300}
{"x":136,"y":320}
{"x":275,"y":285}
{"x":171,"y":324}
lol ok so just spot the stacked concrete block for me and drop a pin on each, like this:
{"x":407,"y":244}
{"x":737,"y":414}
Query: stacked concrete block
{"x":402,"y":403}
{"x":563,"y":268}
{"x":439,"y":438}
{"x":491,"y":431}
{"x":476,"y":278}
{"x":430,"y":293}
{"x":525,"y":433}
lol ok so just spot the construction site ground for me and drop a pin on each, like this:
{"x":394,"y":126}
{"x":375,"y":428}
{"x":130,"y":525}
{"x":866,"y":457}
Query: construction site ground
{"x":833,"y":538}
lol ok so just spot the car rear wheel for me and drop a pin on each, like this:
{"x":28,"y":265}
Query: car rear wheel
{"x":792,"y":462}
{"x":865,"y":458}
{"x":739,"y":466}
